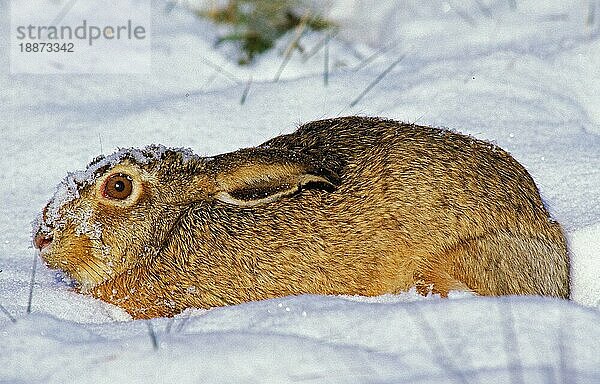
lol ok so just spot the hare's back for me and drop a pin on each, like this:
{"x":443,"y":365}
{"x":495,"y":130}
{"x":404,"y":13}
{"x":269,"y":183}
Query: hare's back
{"x":437,"y":176}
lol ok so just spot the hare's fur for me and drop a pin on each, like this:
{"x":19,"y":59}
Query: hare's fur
{"x":357,"y":206}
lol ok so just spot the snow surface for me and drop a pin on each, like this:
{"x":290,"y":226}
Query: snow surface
{"x":526,"y":78}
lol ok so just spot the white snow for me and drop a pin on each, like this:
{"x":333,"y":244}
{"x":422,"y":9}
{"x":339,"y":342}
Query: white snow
{"x":527,"y":79}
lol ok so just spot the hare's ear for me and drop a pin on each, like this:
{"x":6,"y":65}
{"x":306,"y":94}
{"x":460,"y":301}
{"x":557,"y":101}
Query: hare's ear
{"x":258,"y":176}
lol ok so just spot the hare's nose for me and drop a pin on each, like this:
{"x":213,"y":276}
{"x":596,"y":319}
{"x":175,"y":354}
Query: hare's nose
{"x":41,"y":241}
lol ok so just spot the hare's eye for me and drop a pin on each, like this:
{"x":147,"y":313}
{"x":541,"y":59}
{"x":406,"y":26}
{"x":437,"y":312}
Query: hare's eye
{"x":118,"y":186}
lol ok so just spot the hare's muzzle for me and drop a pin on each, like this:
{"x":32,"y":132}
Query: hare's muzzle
{"x":42,"y":241}
{"x":42,"y":238}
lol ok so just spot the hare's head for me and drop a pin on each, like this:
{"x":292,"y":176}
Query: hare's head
{"x":104,"y":218}
{"x":124,"y":208}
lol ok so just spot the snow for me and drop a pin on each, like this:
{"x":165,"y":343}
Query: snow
{"x":526,"y":79}
{"x":319,"y":339}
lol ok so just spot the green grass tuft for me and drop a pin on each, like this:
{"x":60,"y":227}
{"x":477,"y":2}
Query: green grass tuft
{"x":255,"y":25}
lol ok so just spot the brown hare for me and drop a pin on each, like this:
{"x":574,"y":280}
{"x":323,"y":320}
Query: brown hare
{"x":352,"y":206}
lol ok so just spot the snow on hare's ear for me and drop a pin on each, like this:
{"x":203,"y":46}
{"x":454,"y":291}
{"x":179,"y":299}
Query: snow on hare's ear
{"x":257,"y":176}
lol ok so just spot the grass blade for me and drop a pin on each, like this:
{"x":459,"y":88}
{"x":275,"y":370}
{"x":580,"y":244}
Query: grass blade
{"x":591,"y":12}
{"x":246,"y":90}
{"x":7,"y":314}
{"x":292,"y":46}
{"x":326,"y":62}
{"x":222,"y":71}
{"x":377,"y":80}
{"x":152,"y":335}
{"x":32,"y":283}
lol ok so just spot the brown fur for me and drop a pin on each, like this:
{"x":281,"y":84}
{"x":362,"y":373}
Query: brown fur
{"x":357,"y":206}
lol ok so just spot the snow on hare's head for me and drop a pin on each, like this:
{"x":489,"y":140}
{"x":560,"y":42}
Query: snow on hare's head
{"x":342,"y":206}
{"x":100,"y":220}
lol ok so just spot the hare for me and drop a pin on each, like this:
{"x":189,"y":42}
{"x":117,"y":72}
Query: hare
{"x":345,"y":206}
